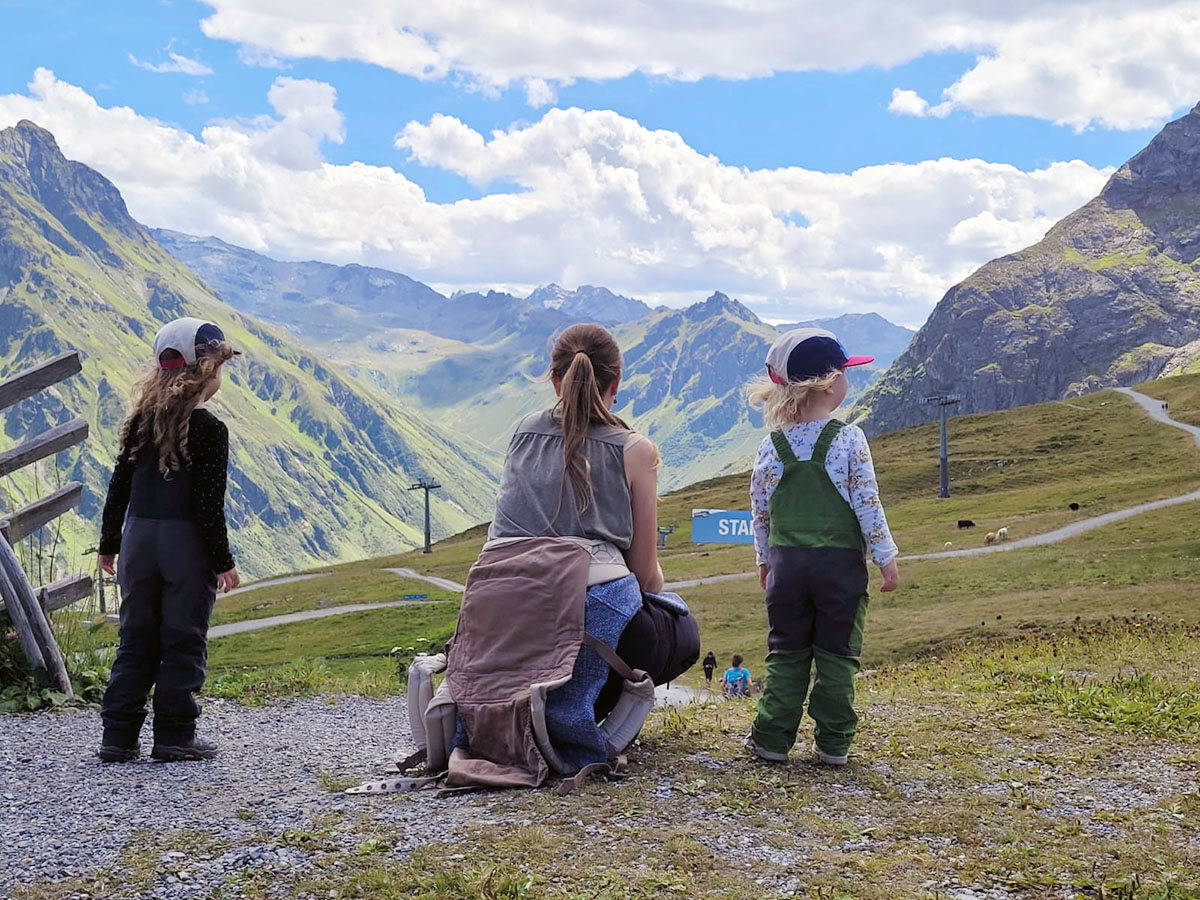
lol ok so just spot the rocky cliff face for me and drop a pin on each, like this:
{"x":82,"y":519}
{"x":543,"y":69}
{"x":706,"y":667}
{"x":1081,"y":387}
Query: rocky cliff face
{"x":320,"y":464}
{"x":1111,"y":296}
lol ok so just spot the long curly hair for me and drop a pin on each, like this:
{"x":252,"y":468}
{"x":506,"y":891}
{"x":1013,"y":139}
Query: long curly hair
{"x":163,"y":403}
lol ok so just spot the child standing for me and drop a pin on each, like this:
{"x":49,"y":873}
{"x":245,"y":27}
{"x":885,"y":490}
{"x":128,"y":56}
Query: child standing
{"x":170,"y":477}
{"x":816,"y":509}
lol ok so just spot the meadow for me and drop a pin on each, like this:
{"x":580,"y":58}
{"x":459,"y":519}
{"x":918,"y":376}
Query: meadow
{"x":1030,"y":720}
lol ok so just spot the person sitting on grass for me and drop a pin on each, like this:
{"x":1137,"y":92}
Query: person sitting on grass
{"x":174,"y":547}
{"x":816,"y":511}
{"x":736,"y":681}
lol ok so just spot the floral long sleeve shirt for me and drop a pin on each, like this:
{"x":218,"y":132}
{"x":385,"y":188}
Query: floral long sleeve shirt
{"x":853,"y":474}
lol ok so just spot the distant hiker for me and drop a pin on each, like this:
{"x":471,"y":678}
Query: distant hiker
{"x":816,"y":508}
{"x":736,"y":681}
{"x":174,"y":548}
{"x":710,"y":666}
{"x":570,"y":557}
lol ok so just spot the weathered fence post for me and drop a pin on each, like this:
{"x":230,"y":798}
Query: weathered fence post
{"x":29,"y":608}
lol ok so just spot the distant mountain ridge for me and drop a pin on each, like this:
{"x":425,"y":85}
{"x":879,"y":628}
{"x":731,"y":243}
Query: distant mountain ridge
{"x":466,"y":361}
{"x":320,"y":465}
{"x":589,"y":302}
{"x":1110,"y":296}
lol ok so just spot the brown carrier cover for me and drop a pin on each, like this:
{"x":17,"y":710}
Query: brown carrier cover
{"x":520,"y":626}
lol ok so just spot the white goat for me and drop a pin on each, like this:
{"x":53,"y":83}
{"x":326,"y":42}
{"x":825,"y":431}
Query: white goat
{"x":1002,"y":534}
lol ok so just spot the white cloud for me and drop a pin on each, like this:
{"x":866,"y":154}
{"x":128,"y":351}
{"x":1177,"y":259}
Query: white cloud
{"x":195,"y":97}
{"x":1114,"y":63}
{"x":176,"y":62}
{"x":538,"y":92}
{"x":250,"y":55}
{"x":908,"y":103}
{"x":600,"y":199}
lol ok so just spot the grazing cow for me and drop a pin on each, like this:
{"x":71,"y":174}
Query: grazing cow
{"x":1002,"y":534}
{"x":989,"y":538}
{"x":1074,"y":507}
{"x":965,"y":523}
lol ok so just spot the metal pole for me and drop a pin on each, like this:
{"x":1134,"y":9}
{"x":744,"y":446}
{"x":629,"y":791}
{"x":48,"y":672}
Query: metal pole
{"x":428,"y":545}
{"x":426,"y":486}
{"x":944,"y":488}
{"x":943,"y":402}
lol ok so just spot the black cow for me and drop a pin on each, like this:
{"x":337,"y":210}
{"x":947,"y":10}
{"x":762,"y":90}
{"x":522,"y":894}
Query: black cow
{"x":965,"y":523}
{"x":1074,"y":507}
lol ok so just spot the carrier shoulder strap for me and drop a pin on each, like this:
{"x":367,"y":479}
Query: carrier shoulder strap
{"x":609,"y":655}
{"x":828,"y":433}
{"x":783,"y":447}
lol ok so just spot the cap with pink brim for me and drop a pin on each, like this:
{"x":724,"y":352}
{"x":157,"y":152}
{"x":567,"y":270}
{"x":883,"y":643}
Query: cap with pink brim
{"x":804,"y":353}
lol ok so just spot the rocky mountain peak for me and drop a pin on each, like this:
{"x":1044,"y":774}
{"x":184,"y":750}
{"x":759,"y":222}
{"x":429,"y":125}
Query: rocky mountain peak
{"x":720,"y":303}
{"x":1110,"y":296}
{"x":31,"y":159}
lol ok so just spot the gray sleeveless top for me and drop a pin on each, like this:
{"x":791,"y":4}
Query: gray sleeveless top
{"x":537,"y":501}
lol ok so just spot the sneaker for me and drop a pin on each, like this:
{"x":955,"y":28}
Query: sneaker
{"x":118,"y":753}
{"x":762,"y":753}
{"x":192,"y":749}
{"x":830,"y":759}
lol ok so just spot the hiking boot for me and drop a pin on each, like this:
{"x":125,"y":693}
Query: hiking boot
{"x":181,"y":751}
{"x":830,"y":759}
{"x":762,"y":753}
{"x":119,"y":753}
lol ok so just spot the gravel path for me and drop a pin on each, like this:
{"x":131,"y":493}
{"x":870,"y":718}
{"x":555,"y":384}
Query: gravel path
{"x":64,"y":813}
{"x":219,"y":631}
{"x":443,"y":583}
{"x":271,"y":582}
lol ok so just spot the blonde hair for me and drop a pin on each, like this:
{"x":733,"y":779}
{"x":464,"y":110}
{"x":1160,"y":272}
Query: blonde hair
{"x":163,"y":402}
{"x":783,"y":404}
{"x":586,"y":361}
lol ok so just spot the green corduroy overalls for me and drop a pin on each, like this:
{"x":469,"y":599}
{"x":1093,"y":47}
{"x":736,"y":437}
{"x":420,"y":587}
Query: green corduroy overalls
{"x":816,"y":604}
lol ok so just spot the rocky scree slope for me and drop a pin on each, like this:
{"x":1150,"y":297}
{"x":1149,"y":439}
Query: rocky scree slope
{"x":320,"y":465}
{"x":1110,"y":297}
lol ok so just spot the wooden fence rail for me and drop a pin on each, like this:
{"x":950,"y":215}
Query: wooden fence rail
{"x":27,"y":607}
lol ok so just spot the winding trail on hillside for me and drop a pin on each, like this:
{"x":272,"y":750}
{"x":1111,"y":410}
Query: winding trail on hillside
{"x":220,"y":631}
{"x":271,"y":582}
{"x":1152,"y":407}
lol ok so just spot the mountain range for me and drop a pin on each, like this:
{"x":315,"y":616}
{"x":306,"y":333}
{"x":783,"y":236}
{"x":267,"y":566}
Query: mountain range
{"x":355,"y":381}
{"x":320,"y":463}
{"x":466,"y":361}
{"x":1110,"y":296}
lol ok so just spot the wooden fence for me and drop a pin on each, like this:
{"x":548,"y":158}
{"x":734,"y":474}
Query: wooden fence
{"x":27,"y":606}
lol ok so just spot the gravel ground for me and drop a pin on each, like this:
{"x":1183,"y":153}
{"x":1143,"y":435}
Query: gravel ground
{"x":63,"y":813}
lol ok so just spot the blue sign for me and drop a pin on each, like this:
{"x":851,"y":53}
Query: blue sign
{"x":416,"y":596}
{"x":722,"y":526}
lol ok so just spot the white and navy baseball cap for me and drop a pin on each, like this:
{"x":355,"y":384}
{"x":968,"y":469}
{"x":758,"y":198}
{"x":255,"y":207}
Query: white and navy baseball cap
{"x":804,"y":353}
{"x":189,"y":338}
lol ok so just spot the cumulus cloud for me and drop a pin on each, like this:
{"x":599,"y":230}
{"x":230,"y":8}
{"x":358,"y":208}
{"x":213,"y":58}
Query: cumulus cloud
{"x":538,"y":92}
{"x":1078,"y":62}
{"x":175,"y":62}
{"x":598,"y":199}
{"x":910,"y":103}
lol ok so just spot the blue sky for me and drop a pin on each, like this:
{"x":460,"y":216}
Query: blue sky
{"x":828,"y":115}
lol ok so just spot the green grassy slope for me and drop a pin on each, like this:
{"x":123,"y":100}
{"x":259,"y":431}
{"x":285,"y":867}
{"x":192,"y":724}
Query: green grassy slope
{"x":320,"y":465}
{"x":1018,"y":468}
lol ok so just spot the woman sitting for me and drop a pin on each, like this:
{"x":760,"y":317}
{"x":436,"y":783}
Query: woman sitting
{"x":577,"y":500}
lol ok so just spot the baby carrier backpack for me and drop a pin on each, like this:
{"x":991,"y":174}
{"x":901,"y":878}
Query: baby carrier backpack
{"x":516,"y":703}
